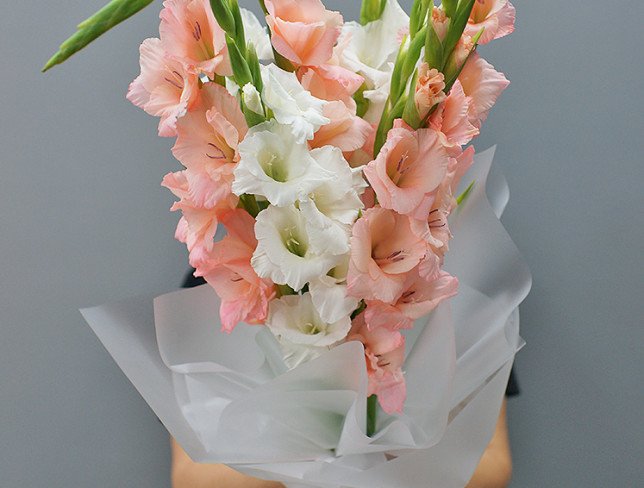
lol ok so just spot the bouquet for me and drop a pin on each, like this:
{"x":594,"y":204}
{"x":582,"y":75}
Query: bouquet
{"x":331,"y":155}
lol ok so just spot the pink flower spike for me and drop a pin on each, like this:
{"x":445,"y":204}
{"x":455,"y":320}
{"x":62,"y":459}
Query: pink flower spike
{"x":495,"y":16}
{"x":303,"y":31}
{"x":408,"y":170}
{"x":244,"y":295}
{"x":483,"y":84}
{"x":212,"y":130}
{"x":164,"y":88}
{"x":190,"y":34}
{"x":383,"y":250}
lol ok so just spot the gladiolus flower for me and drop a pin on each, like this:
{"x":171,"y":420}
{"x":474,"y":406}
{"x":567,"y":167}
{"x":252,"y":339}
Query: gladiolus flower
{"x":419,"y":297}
{"x":452,"y":120}
{"x":190,"y":34}
{"x":286,"y":252}
{"x":383,"y":250}
{"x":244,"y":296}
{"x":495,"y":16}
{"x":408,"y":170}
{"x":385,"y":355}
{"x":295,"y":319}
{"x":291,"y":104}
{"x":212,"y":131}
{"x":164,"y":88}
{"x":483,"y":84}
{"x":303,"y":31}
{"x":204,"y":194}
{"x":274,"y":165}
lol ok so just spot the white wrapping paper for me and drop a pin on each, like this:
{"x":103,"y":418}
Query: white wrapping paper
{"x":229,"y":398}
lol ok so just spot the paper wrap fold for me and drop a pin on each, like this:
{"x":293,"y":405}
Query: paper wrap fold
{"x":230,"y":399}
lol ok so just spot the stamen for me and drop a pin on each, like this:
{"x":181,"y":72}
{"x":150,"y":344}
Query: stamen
{"x":219,"y":153}
{"x":174,"y":83}
{"x":196,"y":33}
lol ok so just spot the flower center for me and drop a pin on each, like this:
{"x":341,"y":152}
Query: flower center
{"x":399,"y":168}
{"x":311,"y":328}
{"x":293,"y":242}
{"x":175,"y":79}
{"x":394,"y":257}
{"x":273,"y":167}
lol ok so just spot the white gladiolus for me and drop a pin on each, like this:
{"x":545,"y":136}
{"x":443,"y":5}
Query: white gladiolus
{"x":285,"y":250}
{"x":291,"y":104}
{"x":329,"y":294}
{"x":257,"y":35}
{"x":274,"y":165}
{"x":370,"y":50}
{"x":333,"y":207}
{"x":295,"y":319}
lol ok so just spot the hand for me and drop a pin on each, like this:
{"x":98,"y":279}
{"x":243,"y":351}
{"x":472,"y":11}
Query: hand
{"x":188,"y":474}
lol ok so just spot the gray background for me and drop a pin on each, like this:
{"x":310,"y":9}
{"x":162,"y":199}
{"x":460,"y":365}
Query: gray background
{"x":83,"y":221}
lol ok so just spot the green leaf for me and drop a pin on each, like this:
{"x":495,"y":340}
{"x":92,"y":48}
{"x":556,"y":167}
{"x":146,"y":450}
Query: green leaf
{"x":98,"y":24}
{"x":461,"y":198}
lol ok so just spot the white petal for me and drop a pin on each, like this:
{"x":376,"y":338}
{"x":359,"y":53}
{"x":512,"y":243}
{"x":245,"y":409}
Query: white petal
{"x":291,"y":103}
{"x":274,"y":165}
{"x":284,"y":252}
{"x":295,"y":319}
{"x":331,"y":300}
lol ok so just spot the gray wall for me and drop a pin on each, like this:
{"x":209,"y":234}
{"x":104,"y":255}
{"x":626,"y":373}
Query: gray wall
{"x":84,"y":221}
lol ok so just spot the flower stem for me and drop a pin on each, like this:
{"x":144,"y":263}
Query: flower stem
{"x":372,"y":408}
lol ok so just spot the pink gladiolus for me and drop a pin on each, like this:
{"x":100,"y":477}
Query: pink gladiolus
{"x":483,"y":84}
{"x":435,"y":229}
{"x":164,"y":88}
{"x":213,"y":129}
{"x":420,"y":296}
{"x":429,"y":89}
{"x":204,"y":194}
{"x":383,"y":250}
{"x":385,"y":355}
{"x":303,"y":31}
{"x":452,"y":120}
{"x":331,"y":82}
{"x":495,"y":16}
{"x":408,"y":170}
{"x":346,"y":131}
{"x":244,"y":295}
{"x":190,"y":34}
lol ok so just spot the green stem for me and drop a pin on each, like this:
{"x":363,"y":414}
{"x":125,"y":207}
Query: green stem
{"x":372,"y":409}
{"x":249,"y":203}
